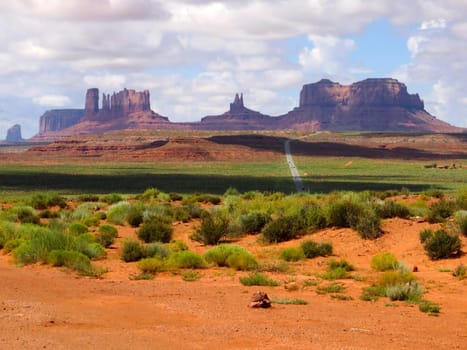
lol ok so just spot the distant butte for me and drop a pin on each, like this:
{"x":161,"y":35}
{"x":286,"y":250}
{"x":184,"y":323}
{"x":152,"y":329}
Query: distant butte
{"x":381,"y":104}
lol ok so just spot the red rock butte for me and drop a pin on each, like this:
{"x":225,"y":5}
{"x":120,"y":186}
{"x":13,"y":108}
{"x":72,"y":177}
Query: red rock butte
{"x":381,"y":104}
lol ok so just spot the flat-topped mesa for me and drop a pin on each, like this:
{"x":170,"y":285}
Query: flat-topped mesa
{"x":369,"y":92}
{"x":91,"y":105}
{"x":14,"y":134}
{"x":128,"y":101}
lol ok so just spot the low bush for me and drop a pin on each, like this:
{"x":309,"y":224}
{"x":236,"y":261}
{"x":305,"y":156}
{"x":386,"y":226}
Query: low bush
{"x":219,"y":254}
{"x":254,"y":222}
{"x":289,"y":301}
{"x":312,"y":217}
{"x":131,"y":251}
{"x":74,"y":260}
{"x":214,"y":226}
{"x":343,"y":264}
{"x":76,"y":229}
{"x":186,"y":260}
{"x":368,"y":224}
{"x":330,"y":288}
{"x":460,"y":272}
{"x":88,"y":197}
{"x":461,"y":198}
{"x":24,"y":214}
{"x":429,"y":307}
{"x":292,"y":254}
{"x":118,"y":213}
{"x":174,"y":197}
{"x":8,"y":231}
{"x":392,"y":278}
{"x":337,"y":270}
{"x":156,"y":250}
{"x":156,"y":229}
{"x":191,"y":276}
{"x":150,"y":193}
{"x":391,"y":209}
{"x":425,"y":234}
{"x":177,"y":245}
{"x":151,"y":265}
{"x":442,"y":245}
{"x":461,"y":220}
{"x":258,"y":279}
{"x":440,"y":211}
{"x":282,"y":229}
{"x":94,"y":251}
{"x":243,"y":261}
{"x":135,"y":215}
{"x":112,"y":198}
{"x":182,"y":213}
{"x":12,"y":244}
{"x":343,"y":212}
{"x":106,"y":235}
{"x":410,"y":291}
{"x":384,"y":261}
{"x":311,"y":249}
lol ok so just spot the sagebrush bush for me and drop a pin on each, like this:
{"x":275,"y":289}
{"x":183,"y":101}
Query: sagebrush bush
{"x":135,"y":215}
{"x":151,"y":265}
{"x":24,"y":214}
{"x":243,"y":261}
{"x":106,"y":235}
{"x":258,"y":279}
{"x":45,"y":200}
{"x":186,"y":260}
{"x":150,"y":193}
{"x":88,"y":197}
{"x":156,"y":229}
{"x":311,"y":249}
{"x":182,"y":213}
{"x":281,"y":229}
{"x":425,"y":234}
{"x":8,"y":231}
{"x":384,"y":261}
{"x":391,"y":209}
{"x":292,"y":254}
{"x":442,"y":245}
{"x":461,"y":221}
{"x":254,"y":222}
{"x":77,"y":229}
{"x":368,"y":224}
{"x":312,"y":216}
{"x":392,"y":278}
{"x":118,"y":213}
{"x":12,"y":244}
{"x":343,"y":212}
{"x":440,"y":211}
{"x":94,"y":251}
{"x":461,"y":198}
{"x":131,"y":251}
{"x":214,"y":226}
{"x":73,"y":260}
{"x":218,"y":255}
{"x":156,"y":250}
{"x":460,"y":271}
{"x":410,"y":291}
{"x":112,"y":198}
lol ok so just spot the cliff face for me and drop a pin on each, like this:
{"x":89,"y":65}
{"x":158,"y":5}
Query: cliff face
{"x":59,"y":119}
{"x":237,"y":118}
{"x":368,"y":105}
{"x":14,"y":134}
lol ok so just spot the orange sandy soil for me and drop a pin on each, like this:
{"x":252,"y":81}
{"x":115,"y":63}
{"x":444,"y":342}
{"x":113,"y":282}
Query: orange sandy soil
{"x":45,"y":307}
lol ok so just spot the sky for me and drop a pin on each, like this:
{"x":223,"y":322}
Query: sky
{"x":194,"y":55}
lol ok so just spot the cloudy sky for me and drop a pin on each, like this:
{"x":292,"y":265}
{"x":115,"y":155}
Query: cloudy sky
{"x":194,"y":55}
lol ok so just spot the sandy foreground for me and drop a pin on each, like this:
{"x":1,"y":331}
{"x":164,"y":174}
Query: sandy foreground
{"x":43,"y":307}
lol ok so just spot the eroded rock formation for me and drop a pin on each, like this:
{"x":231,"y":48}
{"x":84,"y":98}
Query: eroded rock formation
{"x":237,"y":118}
{"x":14,"y":134}
{"x":58,"y":119}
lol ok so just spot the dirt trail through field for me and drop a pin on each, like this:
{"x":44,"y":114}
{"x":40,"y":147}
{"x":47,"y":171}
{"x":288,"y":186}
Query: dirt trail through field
{"x":293,"y":169}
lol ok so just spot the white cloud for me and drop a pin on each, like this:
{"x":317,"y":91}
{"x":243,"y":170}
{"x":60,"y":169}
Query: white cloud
{"x":109,"y":82}
{"x":52,"y":100}
{"x":433,"y":24}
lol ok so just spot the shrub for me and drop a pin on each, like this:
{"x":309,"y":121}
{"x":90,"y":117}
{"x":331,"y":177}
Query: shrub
{"x":411,"y":291}
{"x":289,"y":301}
{"x":12,"y":244}
{"x":442,"y":245}
{"x":150,"y":193}
{"x":282,"y":229}
{"x":182,"y":213}
{"x":292,"y":254}
{"x":460,"y":272}
{"x":8,"y":231}
{"x":87,"y":197}
{"x":106,"y":235}
{"x":131,"y":251}
{"x":177,"y":246}
{"x":175,"y":196}
{"x":135,"y":215}
{"x":258,"y":279}
{"x":392,"y":278}
{"x":368,"y":224}
{"x":441,"y":210}
{"x":461,"y":221}
{"x":219,"y":254}
{"x":83,"y":212}
{"x":343,"y":213}
{"x":391,"y":209}
{"x":112,"y":198}
{"x":73,"y":260}
{"x":118,"y":213}
{"x":150,"y":265}
{"x":213,"y":227}
{"x":76,"y":229}
{"x":461,"y":198}
{"x":254,"y":222}
{"x":384,"y":261}
{"x":94,"y":251}
{"x":429,"y":307}
{"x":425,"y":234}
{"x":207,"y":198}
{"x":330,"y":288}
{"x":343,"y":264}
{"x":311,"y":249}
{"x":243,"y":261}
{"x":186,"y":260}
{"x":24,"y":214}
{"x":312,"y":217}
{"x":156,"y":229}
{"x":156,"y":250}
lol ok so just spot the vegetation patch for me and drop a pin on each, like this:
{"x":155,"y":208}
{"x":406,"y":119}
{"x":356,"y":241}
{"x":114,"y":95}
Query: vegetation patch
{"x":258,"y":279}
